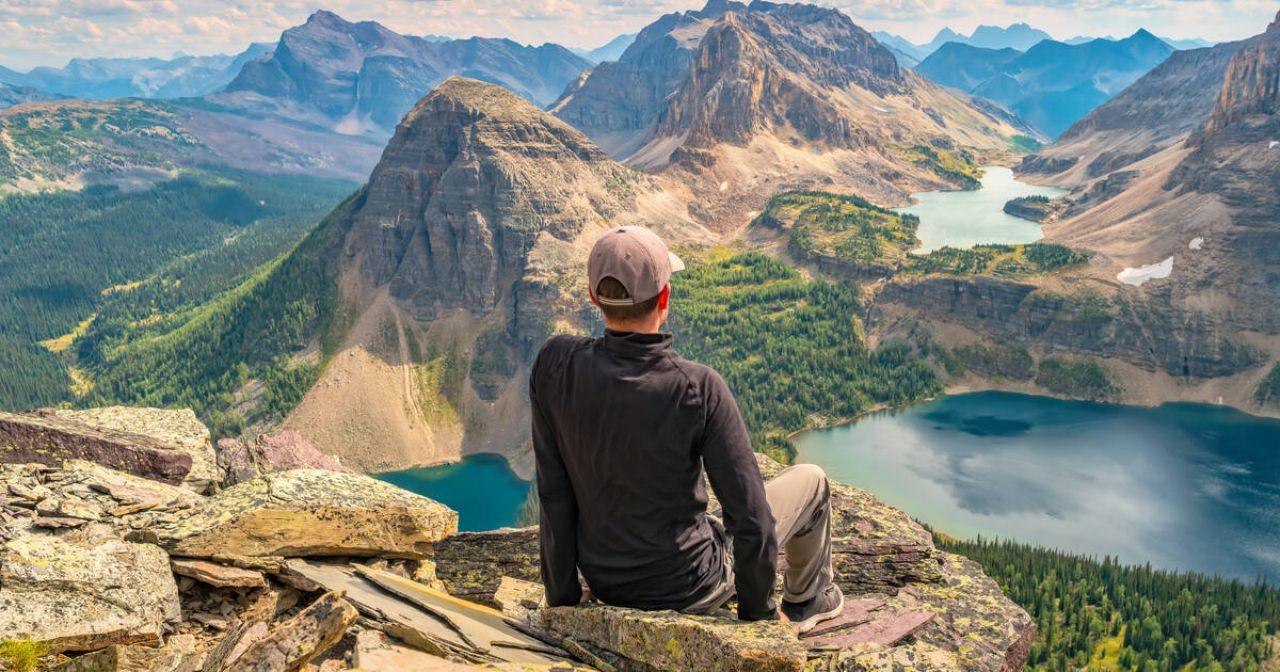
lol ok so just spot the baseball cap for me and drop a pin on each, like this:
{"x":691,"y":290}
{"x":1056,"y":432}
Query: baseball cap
{"x":637,"y":258}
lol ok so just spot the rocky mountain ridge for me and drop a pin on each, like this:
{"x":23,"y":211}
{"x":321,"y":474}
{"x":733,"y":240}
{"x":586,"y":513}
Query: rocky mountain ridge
{"x":735,"y":102}
{"x":317,"y":570}
{"x":363,"y":77}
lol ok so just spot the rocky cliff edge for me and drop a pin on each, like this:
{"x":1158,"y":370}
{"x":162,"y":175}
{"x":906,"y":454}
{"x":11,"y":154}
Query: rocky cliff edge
{"x":122,"y":568}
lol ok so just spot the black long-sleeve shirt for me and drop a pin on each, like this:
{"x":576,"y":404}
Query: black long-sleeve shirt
{"x":622,"y":430}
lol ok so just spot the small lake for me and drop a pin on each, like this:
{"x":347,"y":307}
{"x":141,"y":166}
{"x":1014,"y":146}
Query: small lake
{"x":481,"y":488}
{"x":967,"y":218}
{"x":1182,"y":486}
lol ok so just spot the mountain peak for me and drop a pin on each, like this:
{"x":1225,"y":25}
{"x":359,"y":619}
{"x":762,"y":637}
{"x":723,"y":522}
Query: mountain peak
{"x":324,"y":17}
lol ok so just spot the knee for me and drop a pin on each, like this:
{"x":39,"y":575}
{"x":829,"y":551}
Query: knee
{"x":810,"y":473}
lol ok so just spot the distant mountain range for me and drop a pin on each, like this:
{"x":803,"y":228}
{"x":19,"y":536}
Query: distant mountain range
{"x":1020,"y":36}
{"x":1052,"y":84}
{"x":104,"y":78}
{"x":16,"y":95}
{"x":610,"y":51}
{"x":361,"y":78}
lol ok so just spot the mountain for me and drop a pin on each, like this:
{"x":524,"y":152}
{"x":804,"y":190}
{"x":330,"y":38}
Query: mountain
{"x":400,"y":328}
{"x":738,"y":101}
{"x":1018,"y":36}
{"x":1190,"y":43}
{"x":610,"y":51}
{"x":16,"y":95}
{"x":901,"y":47}
{"x":104,"y":78}
{"x":362,"y":77}
{"x":1174,"y":179}
{"x":1053,"y":83}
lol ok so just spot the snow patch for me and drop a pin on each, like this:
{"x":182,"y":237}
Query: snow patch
{"x":751,"y":216}
{"x":1274,"y":144}
{"x":1138,"y":276}
{"x":881,"y":109}
{"x":1196,"y":243}
{"x":724,"y":186}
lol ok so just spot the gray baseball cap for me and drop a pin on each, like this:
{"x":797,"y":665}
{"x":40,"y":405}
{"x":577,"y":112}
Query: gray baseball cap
{"x":635,"y":257}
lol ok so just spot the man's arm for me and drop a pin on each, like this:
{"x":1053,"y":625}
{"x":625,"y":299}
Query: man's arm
{"x":731,"y":467}
{"x":558,"y":523}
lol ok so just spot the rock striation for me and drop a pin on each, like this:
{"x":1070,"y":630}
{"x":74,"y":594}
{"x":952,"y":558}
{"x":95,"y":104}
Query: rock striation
{"x":243,"y":460}
{"x":168,"y":446}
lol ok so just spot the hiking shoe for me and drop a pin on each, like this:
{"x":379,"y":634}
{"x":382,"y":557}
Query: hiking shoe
{"x":806,"y":615}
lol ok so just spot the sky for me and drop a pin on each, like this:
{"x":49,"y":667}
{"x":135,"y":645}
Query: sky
{"x":49,"y":32}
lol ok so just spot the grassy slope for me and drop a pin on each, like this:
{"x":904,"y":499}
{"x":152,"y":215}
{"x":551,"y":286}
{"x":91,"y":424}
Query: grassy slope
{"x":126,"y":257}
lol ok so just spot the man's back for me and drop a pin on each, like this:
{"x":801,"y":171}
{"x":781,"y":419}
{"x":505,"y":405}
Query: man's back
{"x":622,"y":427}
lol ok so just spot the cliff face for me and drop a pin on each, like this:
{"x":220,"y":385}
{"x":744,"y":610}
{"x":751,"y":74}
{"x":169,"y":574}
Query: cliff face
{"x":1252,"y":82}
{"x":459,"y":257}
{"x":363,"y":77}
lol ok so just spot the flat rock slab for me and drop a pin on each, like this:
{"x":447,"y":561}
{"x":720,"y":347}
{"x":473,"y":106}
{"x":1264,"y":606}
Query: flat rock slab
{"x":219,"y":576}
{"x":309,"y":512}
{"x":50,"y":439}
{"x":82,"y":598}
{"x":471,"y":564}
{"x":673,"y":642}
{"x":856,"y":612}
{"x":885,"y":628}
{"x":127,"y":489}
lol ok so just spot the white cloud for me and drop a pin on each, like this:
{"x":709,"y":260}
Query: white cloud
{"x":47,"y":32}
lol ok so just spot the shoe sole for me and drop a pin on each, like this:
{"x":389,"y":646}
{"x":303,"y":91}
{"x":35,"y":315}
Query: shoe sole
{"x":810,"y":623}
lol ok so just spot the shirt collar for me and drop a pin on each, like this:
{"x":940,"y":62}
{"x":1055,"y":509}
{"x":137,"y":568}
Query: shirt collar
{"x":630,"y":342}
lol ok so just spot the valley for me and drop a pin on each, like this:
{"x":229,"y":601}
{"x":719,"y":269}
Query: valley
{"x":364,"y":236}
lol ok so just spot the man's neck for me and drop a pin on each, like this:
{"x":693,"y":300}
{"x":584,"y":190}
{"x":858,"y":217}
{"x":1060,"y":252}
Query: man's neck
{"x":641,"y":327}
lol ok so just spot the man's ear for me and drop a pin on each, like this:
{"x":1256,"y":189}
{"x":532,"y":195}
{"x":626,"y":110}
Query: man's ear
{"x":591,"y":293}
{"x":664,"y":298}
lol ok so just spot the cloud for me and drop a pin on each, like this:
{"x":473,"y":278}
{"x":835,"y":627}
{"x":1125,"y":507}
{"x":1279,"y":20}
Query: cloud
{"x":47,"y":32}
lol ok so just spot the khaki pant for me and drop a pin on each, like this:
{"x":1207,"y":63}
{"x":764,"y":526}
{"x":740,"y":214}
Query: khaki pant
{"x":800,"y":499}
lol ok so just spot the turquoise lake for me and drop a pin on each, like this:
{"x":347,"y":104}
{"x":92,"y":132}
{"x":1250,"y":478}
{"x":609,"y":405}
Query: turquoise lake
{"x":967,"y":218}
{"x":1182,"y":486}
{"x":481,"y":488}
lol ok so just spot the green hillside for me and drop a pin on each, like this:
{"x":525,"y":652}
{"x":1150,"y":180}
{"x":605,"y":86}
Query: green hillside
{"x":103,"y":260}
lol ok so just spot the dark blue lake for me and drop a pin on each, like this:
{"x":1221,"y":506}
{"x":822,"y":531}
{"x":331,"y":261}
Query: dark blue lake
{"x":481,"y":488}
{"x":1182,"y":486}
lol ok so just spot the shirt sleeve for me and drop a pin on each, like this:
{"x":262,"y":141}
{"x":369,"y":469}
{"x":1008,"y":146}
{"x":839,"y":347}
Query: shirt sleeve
{"x":735,"y":477}
{"x":558,"y":521}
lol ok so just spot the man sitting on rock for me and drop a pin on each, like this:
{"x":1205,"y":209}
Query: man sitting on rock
{"x":623,"y":428}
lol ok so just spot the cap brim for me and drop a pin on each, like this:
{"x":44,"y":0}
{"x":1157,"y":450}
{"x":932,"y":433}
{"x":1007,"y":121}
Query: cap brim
{"x":677,"y":264}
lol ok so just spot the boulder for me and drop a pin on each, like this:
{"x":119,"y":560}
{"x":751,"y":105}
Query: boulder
{"x":81,"y":598}
{"x":243,"y":460}
{"x":972,"y":617}
{"x":301,"y":639}
{"x":126,"y":489}
{"x":308,"y":512}
{"x":167,"y":446}
{"x":673,"y":642}
{"x":471,"y":564}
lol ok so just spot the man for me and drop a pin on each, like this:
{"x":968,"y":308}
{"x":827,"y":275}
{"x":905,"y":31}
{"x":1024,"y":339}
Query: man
{"x":622,"y":430}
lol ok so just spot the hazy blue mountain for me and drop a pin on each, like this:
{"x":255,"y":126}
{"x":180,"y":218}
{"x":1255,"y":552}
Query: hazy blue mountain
{"x":610,"y":51}
{"x":361,"y":78}
{"x":1052,"y":84}
{"x":1018,"y":36}
{"x":900,"y":46}
{"x":104,"y":78}
{"x":1190,"y":43}
{"x":16,"y":95}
